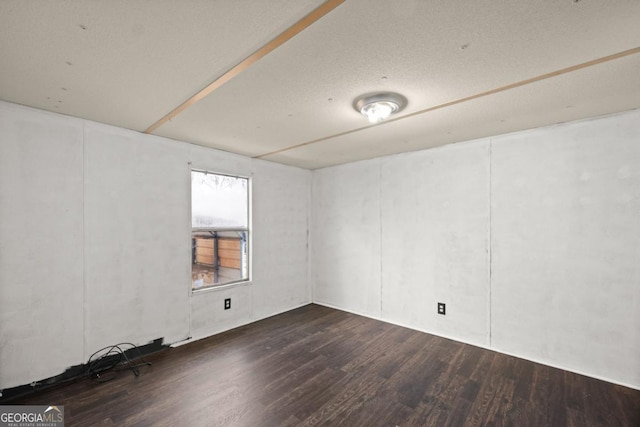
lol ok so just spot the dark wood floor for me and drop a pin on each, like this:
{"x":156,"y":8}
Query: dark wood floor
{"x":318,"y":366}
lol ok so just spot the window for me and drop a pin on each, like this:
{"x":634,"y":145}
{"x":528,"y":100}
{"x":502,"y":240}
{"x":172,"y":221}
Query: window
{"x":219,"y":229}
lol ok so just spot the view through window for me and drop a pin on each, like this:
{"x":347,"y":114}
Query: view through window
{"x":219,"y":229}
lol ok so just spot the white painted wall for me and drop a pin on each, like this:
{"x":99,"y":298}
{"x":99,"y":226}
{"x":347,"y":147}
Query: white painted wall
{"x":95,"y":242}
{"x":566,"y":246}
{"x":435,"y":239}
{"x":137,"y":250}
{"x":345,"y":254}
{"x":41,"y":255}
{"x":532,"y":239}
{"x":280,"y":221}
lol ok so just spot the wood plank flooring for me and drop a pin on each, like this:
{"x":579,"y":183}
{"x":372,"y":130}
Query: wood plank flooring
{"x":319,"y":366}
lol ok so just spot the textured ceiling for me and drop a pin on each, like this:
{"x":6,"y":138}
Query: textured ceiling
{"x":468,"y":68}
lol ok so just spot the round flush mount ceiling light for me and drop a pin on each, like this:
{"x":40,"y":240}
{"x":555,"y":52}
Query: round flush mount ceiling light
{"x":378,"y":106}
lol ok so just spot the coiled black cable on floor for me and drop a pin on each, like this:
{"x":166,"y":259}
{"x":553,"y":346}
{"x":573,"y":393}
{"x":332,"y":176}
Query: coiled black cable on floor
{"x":106,"y":362}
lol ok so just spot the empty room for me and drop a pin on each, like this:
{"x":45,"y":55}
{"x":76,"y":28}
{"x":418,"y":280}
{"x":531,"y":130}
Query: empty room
{"x":332,"y":213}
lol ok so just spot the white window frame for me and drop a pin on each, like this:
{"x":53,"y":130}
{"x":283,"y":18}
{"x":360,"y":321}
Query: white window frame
{"x":246,"y":230}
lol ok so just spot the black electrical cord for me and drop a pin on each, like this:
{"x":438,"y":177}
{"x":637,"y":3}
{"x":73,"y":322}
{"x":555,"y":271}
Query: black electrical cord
{"x":104,"y":363}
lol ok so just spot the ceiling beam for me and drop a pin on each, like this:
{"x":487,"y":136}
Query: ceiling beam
{"x":468,"y":98}
{"x":282,"y":38}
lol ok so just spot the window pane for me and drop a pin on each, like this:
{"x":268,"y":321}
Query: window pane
{"x":219,"y":200}
{"x":219,"y":257}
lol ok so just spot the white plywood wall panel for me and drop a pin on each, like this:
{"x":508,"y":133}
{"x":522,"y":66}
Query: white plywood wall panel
{"x":202,"y":158}
{"x":41,"y":259}
{"x":208,"y":315}
{"x":435,"y":216}
{"x":345,"y":245}
{"x":566,"y":246}
{"x":279,"y":237}
{"x":137,"y":227}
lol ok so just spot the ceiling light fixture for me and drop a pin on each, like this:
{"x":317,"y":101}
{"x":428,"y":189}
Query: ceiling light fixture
{"x":379,"y":106}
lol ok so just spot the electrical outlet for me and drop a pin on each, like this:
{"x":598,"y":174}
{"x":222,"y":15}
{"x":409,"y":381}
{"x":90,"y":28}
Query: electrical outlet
{"x":442,"y":308}
{"x":227,"y":303}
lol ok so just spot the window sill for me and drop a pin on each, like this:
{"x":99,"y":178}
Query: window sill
{"x":224,"y":287}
